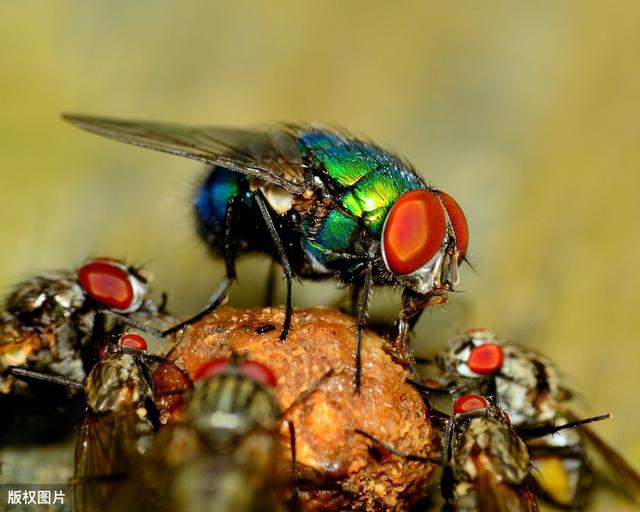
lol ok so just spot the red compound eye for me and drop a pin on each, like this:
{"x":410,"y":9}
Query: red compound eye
{"x":106,"y":282}
{"x":103,"y":352}
{"x":259,"y":372}
{"x":458,"y":222}
{"x":133,"y":340}
{"x":468,"y":403}
{"x":486,"y":358}
{"x":413,"y":232}
{"x":212,"y":368}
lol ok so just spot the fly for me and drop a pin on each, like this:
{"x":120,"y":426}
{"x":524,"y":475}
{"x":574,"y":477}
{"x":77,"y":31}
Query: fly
{"x":55,"y":323}
{"x":323,"y":204}
{"x":226,"y":454}
{"x":485,"y":463}
{"x":530,"y":388}
{"x":119,"y":421}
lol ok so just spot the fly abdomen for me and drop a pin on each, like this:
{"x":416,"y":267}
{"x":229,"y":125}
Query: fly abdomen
{"x":221,"y":189}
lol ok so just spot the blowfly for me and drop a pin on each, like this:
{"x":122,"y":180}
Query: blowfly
{"x":324,"y":204}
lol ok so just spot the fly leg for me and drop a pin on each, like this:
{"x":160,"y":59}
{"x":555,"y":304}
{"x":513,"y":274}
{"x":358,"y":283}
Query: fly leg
{"x":24,"y":374}
{"x":89,"y":352}
{"x":229,"y":250}
{"x":407,"y":318}
{"x":218,"y":298}
{"x":295,"y":498}
{"x":284,"y":261}
{"x":413,"y":305}
{"x":447,"y":478}
{"x":363,"y":309}
{"x":292,"y":433}
{"x":535,"y":433}
{"x":397,"y":347}
{"x":215,"y":301}
{"x":125,"y":320}
{"x":395,"y":451}
{"x":162,"y":307}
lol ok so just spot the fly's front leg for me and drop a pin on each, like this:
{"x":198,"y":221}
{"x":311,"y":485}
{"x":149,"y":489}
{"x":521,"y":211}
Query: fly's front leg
{"x":413,"y":305}
{"x":399,"y":335}
{"x":219,"y":297}
{"x":24,"y":374}
{"x":406,"y":319}
{"x":216,"y":300}
{"x":284,"y":261}
{"x":395,"y":451}
{"x":126,"y":320}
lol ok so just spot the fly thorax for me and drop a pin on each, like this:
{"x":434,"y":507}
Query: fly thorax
{"x":66,"y":359}
{"x":516,"y":400}
{"x":46,"y":300}
{"x":115,"y":382}
{"x":528,"y":388}
{"x":494,"y":445}
{"x":84,"y":323}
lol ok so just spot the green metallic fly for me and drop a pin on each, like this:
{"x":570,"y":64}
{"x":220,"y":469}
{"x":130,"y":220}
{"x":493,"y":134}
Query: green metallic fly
{"x":323,"y":204}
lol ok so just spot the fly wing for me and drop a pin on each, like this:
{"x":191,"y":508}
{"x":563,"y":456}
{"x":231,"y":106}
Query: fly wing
{"x":106,"y":454}
{"x":271,"y":155}
{"x":616,"y":461}
{"x":496,"y":495}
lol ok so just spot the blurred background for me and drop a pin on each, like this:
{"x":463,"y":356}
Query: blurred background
{"x":527,"y":115}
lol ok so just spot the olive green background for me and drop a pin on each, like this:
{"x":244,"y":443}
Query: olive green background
{"x":526,"y":114}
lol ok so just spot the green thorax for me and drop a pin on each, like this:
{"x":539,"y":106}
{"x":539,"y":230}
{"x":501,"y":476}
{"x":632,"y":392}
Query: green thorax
{"x":366,"y":181}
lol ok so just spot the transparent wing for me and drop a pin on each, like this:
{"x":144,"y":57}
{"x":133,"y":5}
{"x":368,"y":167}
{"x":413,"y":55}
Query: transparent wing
{"x":106,"y":454}
{"x":498,"y":496}
{"x":271,"y":155}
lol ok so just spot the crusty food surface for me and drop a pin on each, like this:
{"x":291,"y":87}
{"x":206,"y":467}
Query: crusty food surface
{"x":339,"y":469}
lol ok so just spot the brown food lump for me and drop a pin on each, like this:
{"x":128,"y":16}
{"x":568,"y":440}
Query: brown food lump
{"x":341,"y":469}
